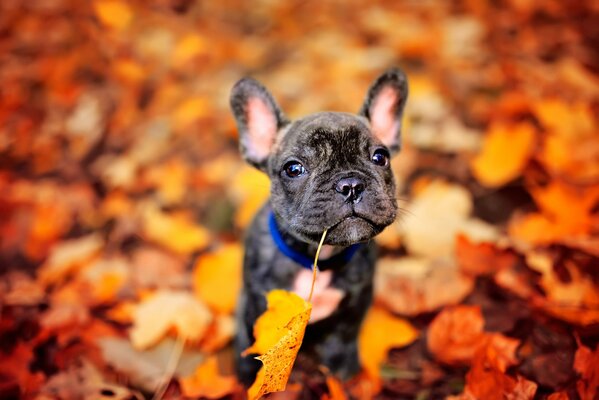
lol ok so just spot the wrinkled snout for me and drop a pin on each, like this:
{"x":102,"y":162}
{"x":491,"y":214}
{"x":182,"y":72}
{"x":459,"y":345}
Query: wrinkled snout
{"x":350,"y":189}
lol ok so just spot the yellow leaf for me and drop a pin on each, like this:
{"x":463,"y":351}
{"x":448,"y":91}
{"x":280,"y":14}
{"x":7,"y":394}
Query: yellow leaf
{"x":570,"y":120}
{"x":171,"y":180}
{"x":168,"y":310}
{"x":206,"y":381}
{"x":506,"y":150}
{"x":129,"y":71}
{"x":250,"y":189}
{"x":188,"y":47}
{"x":278,"y":360}
{"x":279,"y":333}
{"x":189,"y":111}
{"x":174,"y":231}
{"x":380,"y":332}
{"x":113,"y":13}
{"x":217,"y":278}
{"x":270,"y":326}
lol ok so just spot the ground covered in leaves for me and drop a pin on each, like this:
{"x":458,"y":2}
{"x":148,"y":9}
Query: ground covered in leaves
{"x":123,"y":199}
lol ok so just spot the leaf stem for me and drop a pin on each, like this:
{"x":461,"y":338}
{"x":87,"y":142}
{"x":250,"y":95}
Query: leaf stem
{"x":315,"y":268}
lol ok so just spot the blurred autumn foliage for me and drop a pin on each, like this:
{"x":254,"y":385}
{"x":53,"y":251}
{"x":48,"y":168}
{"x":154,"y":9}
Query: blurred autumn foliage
{"x":123,"y":199}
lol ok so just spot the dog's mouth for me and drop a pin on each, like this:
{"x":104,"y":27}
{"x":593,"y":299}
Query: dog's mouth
{"x":350,"y":229}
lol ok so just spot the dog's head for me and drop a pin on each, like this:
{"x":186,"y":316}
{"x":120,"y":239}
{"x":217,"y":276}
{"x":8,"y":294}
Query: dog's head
{"x":329,"y":170}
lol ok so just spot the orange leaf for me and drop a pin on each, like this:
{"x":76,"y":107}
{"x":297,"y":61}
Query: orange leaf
{"x":189,"y":47}
{"x":586,"y":363}
{"x":380,"y":332}
{"x":217,"y":278}
{"x":565,"y":211}
{"x":487,"y":378}
{"x":562,"y":395}
{"x":455,"y":334}
{"x":190,"y":111}
{"x":17,"y":366}
{"x":336,"y":391}
{"x":206,"y":381}
{"x":115,"y":14}
{"x":279,"y":358}
{"x":219,"y":334}
{"x":481,"y":258}
{"x":505,"y":152}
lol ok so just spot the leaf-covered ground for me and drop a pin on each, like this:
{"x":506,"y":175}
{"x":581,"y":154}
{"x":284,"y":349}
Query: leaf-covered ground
{"x":123,"y":199}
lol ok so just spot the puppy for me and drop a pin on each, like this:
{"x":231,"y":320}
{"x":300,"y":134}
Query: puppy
{"x":328,"y":170}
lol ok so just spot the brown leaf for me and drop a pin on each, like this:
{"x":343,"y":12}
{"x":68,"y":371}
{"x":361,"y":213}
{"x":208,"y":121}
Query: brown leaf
{"x":167,"y":310}
{"x":411,"y":285}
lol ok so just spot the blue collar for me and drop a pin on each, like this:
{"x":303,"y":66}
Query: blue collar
{"x":307,"y":262}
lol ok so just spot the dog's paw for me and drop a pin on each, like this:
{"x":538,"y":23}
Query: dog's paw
{"x":325,"y":298}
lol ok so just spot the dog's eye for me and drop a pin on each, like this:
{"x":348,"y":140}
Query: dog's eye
{"x":293,"y":169}
{"x":381,"y":158}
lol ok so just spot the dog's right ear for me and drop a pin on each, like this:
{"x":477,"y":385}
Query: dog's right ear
{"x":258,"y":118}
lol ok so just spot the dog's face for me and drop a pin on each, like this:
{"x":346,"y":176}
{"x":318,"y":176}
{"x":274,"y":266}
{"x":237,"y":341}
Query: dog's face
{"x":328,"y":170}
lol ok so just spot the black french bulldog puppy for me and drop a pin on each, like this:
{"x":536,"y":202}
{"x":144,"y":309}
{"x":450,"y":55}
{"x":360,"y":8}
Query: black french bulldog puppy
{"x":329,"y":170}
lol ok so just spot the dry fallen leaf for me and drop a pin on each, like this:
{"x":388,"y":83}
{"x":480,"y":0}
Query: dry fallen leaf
{"x":586,"y":363}
{"x":486,"y":380}
{"x":566,"y":212}
{"x":115,"y":14}
{"x":176,"y":232}
{"x":414,"y":285}
{"x":84,"y":381}
{"x":506,"y":150}
{"x":217,"y":278}
{"x":207,"y":381}
{"x":436,"y":214}
{"x":219,"y":333}
{"x":270,"y":326}
{"x":250,"y":189}
{"x":146,"y":368}
{"x":380,"y":332}
{"x":336,"y":391}
{"x":576,"y":300}
{"x":15,"y":365}
{"x":455,"y":334}
{"x":279,"y":333}
{"x":166,"y":310}
{"x":68,"y":256}
{"x":482,"y":258}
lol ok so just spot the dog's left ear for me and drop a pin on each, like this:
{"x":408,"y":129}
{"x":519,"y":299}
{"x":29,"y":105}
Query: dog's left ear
{"x":258,"y":118}
{"x":384,"y":107}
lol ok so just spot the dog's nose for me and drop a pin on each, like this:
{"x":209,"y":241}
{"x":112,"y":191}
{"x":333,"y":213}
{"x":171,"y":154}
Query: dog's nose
{"x":351,"y":189}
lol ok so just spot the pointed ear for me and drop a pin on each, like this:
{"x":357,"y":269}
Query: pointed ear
{"x":384,"y":107}
{"x":258,"y":120}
